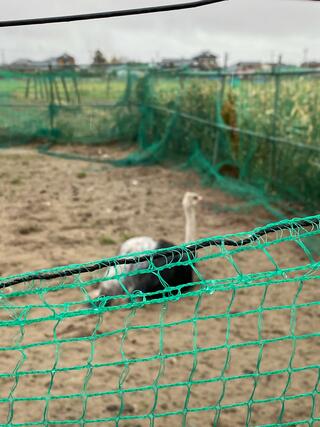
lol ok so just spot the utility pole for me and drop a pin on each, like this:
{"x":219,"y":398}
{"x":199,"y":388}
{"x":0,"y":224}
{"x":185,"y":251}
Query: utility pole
{"x":226,"y":60}
{"x":272,"y":56}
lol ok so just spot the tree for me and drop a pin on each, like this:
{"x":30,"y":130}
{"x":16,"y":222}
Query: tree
{"x":99,"y":58}
{"x":115,"y":60}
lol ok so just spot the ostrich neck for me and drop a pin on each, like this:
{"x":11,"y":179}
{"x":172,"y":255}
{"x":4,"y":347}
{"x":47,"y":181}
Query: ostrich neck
{"x":191,"y":225}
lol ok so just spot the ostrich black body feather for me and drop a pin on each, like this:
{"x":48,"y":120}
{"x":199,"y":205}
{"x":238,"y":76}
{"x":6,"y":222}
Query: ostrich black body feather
{"x":155,"y":282}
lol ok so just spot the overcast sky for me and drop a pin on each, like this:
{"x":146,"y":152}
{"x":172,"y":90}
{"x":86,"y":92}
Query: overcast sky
{"x":246,"y":29}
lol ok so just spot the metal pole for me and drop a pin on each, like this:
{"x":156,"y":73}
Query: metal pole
{"x":42,"y":95}
{"x":51,"y":103}
{"x":276,"y":107}
{"x":26,"y":94}
{"x":75,"y":84}
{"x":218,"y":115}
{"x":35,"y":80}
{"x":65,"y":87}
{"x":56,"y":86}
{"x":45,"y":84}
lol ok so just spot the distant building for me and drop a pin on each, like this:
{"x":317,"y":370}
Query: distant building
{"x":205,"y":61}
{"x":311,"y":64}
{"x":249,"y":67}
{"x":64,"y":60}
{"x":22,"y":64}
{"x":172,"y":63}
{"x":259,"y":67}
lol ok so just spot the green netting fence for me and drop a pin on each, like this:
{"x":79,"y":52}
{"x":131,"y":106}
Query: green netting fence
{"x":241,"y":347}
{"x":256,"y":135}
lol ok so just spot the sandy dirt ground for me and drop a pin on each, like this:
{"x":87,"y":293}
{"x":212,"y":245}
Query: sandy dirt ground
{"x":57,"y":212}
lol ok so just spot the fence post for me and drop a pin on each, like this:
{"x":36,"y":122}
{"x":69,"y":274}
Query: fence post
{"x":274,"y":127}
{"x":35,"y":81}
{"x":56,"y":86}
{"x":26,"y":94}
{"x":218,"y":115}
{"x":128,"y":91}
{"x":76,"y":88}
{"x":51,"y":100}
{"x":65,"y":87}
{"x":41,"y":90}
{"x":224,"y":79}
{"x":108,"y":86}
{"x":45,"y":84}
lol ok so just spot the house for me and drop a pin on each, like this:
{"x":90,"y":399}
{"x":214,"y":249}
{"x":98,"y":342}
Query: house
{"x":249,"y":67}
{"x":64,"y":60}
{"x":311,"y":64}
{"x":22,"y":64}
{"x":172,"y":63}
{"x":205,"y":61}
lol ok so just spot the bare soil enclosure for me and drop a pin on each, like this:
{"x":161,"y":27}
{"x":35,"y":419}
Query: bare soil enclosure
{"x":57,"y":212}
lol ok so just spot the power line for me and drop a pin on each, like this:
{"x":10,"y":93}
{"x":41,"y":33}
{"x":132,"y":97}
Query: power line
{"x":110,"y":14}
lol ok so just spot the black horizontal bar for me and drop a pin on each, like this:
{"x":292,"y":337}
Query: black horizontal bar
{"x":175,"y":253}
{"x":104,"y":15}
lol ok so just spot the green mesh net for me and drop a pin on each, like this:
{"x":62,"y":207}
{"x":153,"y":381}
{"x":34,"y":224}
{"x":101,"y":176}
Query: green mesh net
{"x":254,"y":135}
{"x":239,"y":347}
{"x":238,"y":343}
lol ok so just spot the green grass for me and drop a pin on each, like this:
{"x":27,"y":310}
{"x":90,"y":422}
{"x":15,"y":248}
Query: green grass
{"x":296,"y":116}
{"x":16,"y":181}
{"x":107,"y":241}
{"x":81,"y":175}
{"x":248,"y":104}
{"x":101,"y":90}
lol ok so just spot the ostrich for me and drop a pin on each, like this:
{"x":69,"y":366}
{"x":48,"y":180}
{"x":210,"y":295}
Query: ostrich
{"x":153,"y":281}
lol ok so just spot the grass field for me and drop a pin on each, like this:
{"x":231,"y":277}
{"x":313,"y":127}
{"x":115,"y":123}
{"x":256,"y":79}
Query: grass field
{"x":283,"y":106}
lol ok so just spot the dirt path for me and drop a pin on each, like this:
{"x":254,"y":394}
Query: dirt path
{"x":57,"y":212}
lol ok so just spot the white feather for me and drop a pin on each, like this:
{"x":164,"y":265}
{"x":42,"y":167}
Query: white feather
{"x":138,"y":244}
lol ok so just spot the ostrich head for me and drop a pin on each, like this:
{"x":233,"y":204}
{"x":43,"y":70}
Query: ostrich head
{"x":189,"y":202}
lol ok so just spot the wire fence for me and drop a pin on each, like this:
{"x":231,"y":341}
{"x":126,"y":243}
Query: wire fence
{"x":253,"y":134}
